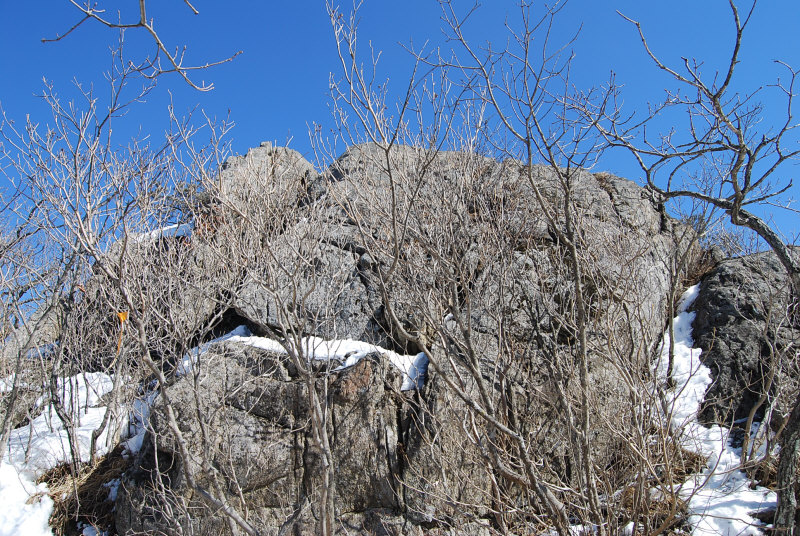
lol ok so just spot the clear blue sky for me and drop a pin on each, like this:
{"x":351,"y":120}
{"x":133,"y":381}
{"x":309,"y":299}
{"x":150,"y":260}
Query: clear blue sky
{"x":279,"y":84}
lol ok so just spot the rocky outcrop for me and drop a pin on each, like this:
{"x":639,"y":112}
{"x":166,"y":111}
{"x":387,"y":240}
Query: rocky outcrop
{"x":746,"y":335}
{"x":255,"y":436}
{"x":453,"y":252}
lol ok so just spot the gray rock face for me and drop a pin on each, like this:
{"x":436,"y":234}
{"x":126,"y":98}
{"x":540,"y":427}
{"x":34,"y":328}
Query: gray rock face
{"x":742,"y":327}
{"x":457,"y":253}
{"x":265,"y":167}
{"x":329,"y":295}
{"x":41,"y":331}
{"x":256,"y":441}
{"x":443,"y":473}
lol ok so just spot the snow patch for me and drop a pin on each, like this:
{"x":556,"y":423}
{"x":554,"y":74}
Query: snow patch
{"x":720,"y":498}
{"x":413,"y":367}
{"x":26,"y":505}
{"x":7,"y":383}
{"x":44,"y":442}
{"x":138,"y":421}
{"x":42,"y":445}
{"x":170,"y":231}
{"x":113,"y":489}
{"x":691,"y":377}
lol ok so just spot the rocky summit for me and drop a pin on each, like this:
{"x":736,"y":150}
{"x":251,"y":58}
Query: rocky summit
{"x":421,"y":342}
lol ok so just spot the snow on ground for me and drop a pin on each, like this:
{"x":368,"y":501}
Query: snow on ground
{"x":26,"y":505}
{"x":413,"y":367}
{"x":720,"y":499}
{"x":43,"y":444}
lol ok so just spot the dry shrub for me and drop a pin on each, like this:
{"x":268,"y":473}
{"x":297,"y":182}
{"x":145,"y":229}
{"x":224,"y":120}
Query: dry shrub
{"x":685,"y":463}
{"x":85,"y":497}
{"x":657,"y":504}
{"x":765,"y":474}
{"x":703,"y":263}
{"x":669,"y":511}
{"x":666,"y":510}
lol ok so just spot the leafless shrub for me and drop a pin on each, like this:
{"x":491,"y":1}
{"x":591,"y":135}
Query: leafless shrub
{"x":492,"y":255}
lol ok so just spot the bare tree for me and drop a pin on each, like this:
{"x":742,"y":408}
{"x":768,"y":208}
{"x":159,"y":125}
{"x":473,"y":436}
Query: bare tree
{"x":28,"y":270}
{"x":445,"y":278}
{"x":727,"y":157}
{"x":129,"y":300}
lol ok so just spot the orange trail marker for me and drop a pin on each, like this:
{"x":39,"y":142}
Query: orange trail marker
{"x":123,"y":316}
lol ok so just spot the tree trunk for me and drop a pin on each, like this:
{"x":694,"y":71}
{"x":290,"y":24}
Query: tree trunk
{"x":786,"y":516}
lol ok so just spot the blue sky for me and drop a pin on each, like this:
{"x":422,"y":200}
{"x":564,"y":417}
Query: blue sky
{"x":279,"y":84}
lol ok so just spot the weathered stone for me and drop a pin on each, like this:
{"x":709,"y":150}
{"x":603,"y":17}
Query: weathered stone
{"x":321,"y":280}
{"x":265,"y":167}
{"x":255,"y":432}
{"x":454,"y":252}
{"x":443,"y":474}
{"x":741,"y":324}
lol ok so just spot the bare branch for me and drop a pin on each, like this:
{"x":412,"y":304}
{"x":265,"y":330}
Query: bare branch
{"x":151,"y":67}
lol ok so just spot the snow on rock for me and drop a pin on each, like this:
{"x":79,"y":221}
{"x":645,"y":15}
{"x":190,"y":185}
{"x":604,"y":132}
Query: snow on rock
{"x":191,"y":357}
{"x":138,"y":420}
{"x":720,"y":498}
{"x":170,"y":231}
{"x":413,"y":367}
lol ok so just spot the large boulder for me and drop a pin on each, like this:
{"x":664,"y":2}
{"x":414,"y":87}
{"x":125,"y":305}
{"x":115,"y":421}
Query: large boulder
{"x":455,"y":253}
{"x":264,"y":167}
{"x":252,"y":442}
{"x":484,"y":273}
{"x":747,"y":337}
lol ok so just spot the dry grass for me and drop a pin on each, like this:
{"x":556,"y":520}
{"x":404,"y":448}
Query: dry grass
{"x":84,"y":498}
{"x":685,"y":463}
{"x":659,"y":505}
{"x":765,"y":472}
{"x":702,"y":265}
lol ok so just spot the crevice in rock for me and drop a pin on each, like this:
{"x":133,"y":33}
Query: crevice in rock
{"x":306,"y":488}
{"x":604,"y":182}
{"x":331,"y":417}
{"x":229,"y":320}
{"x":398,"y":468}
{"x":345,"y":245}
